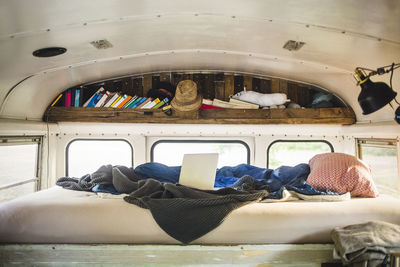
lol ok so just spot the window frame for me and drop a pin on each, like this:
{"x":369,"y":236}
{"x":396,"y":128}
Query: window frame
{"x":199,"y":141}
{"x":25,"y":140}
{"x":297,"y":141}
{"x":380,"y":143}
{"x":94,"y":139}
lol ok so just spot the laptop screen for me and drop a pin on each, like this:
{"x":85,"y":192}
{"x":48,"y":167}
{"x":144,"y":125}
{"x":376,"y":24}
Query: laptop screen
{"x":199,"y":170}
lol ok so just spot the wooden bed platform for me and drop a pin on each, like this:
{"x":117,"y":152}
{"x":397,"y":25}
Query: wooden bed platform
{"x":169,"y":255}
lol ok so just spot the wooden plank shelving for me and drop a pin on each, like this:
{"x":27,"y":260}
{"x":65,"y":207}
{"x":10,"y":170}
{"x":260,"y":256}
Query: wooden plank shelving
{"x":340,"y":115}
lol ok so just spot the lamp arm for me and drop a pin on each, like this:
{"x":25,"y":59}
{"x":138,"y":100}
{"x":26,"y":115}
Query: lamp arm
{"x":361,"y":75}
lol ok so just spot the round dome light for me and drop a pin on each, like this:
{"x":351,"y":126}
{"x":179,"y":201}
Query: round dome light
{"x":49,"y":52}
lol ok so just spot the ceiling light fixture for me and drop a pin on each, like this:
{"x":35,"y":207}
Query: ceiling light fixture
{"x":375,"y":95}
{"x":49,"y":52}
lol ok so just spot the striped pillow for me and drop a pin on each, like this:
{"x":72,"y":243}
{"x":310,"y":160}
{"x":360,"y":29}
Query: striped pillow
{"x":339,"y":172}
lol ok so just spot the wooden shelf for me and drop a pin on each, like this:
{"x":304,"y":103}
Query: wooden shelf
{"x":343,"y":116}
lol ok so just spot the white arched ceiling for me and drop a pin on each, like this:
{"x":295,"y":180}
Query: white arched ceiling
{"x":232,"y":36}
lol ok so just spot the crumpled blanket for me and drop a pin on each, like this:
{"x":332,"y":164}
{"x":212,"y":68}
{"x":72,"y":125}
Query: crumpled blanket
{"x":113,"y":179}
{"x":367,"y":243}
{"x":187,"y":213}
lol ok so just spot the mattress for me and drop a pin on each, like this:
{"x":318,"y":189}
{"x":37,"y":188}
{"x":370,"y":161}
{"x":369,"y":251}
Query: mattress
{"x":58,"y":215}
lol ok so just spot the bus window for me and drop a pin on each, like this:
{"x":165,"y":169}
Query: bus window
{"x":19,"y":161}
{"x":381,"y":156}
{"x":293,"y":152}
{"x":86,"y":156}
{"x":170,"y":152}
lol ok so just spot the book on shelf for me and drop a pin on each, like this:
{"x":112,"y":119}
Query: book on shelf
{"x":147,"y":104}
{"x":161,"y":103}
{"x":134,"y":102}
{"x":119,"y":96}
{"x":144,"y":102}
{"x":78,"y":98}
{"x":68,"y":98}
{"x":152,"y":103}
{"x":225,"y":104}
{"x":123,"y":102}
{"x":111,"y":99}
{"x":244,"y":103}
{"x":130,"y":101}
{"x":93,"y":97}
{"x":57,"y":100}
{"x":118,"y":101}
{"x":102,"y":100}
{"x":94,"y":100}
{"x":208,"y":104}
{"x":138,"y":102}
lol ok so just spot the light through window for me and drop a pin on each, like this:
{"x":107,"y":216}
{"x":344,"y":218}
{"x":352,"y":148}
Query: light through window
{"x":381,"y":156}
{"x":86,"y":156}
{"x":291,"y":153}
{"x":19,"y":166}
{"x":170,"y":152}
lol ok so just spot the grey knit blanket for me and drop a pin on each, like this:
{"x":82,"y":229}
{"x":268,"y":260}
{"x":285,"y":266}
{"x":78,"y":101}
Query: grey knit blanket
{"x":366,"y":242}
{"x":183,"y":212}
{"x":122,"y":178}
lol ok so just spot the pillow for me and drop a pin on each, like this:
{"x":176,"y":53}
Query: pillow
{"x":341,"y":173}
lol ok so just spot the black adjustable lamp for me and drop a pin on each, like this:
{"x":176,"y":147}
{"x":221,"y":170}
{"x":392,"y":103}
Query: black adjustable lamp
{"x":375,"y":95}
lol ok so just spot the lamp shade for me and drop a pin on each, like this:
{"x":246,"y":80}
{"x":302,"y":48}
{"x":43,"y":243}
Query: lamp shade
{"x":374,"y":95}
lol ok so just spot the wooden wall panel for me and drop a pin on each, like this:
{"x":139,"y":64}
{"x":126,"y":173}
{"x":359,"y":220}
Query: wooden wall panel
{"x":238,"y":86}
{"x":256,"y":84}
{"x":248,"y":83}
{"x":208,"y":85}
{"x":137,"y":87}
{"x":275,"y":88}
{"x":211,"y":85}
{"x":265,"y":86}
{"x":229,"y":86}
{"x":147,"y":84}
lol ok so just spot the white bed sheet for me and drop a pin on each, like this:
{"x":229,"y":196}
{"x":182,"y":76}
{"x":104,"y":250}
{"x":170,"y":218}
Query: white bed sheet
{"x":57,"y":215}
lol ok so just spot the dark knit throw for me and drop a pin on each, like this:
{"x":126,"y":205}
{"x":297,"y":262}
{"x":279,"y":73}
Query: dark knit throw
{"x":182,"y":212}
{"x":188,"y":213}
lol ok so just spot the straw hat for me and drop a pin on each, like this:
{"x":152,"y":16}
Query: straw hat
{"x":186,"y":97}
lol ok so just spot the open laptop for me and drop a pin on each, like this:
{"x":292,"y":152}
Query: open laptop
{"x":199,"y":170}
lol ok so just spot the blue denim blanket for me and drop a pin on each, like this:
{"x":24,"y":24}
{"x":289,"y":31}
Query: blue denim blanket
{"x":274,"y":181}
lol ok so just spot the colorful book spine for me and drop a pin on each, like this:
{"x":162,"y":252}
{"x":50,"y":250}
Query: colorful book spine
{"x":102,"y":100}
{"x":127,"y":98}
{"x":161,"y":103}
{"x":134,"y":103}
{"x":116,"y":100}
{"x":94,"y":100}
{"x":57,"y":99}
{"x":111,"y":100}
{"x":68,"y":99}
{"x":77,"y":97}
{"x":95,"y":95}
{"x":152,"y":103}
{"x":130,"y":101}
{"x":122,"y":99}
{"x":144,"y":103}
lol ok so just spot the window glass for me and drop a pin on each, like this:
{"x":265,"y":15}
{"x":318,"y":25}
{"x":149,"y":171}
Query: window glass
{"x":382,"y":159}
{"x":171,"y":153}
{"x":18,"y":165}
{"x":291,"y":153}
{"x":87,"y":156}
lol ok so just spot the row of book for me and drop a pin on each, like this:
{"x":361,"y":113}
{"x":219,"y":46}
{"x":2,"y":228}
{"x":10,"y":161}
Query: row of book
{"x":70,"y":98}
{"x":103,"y":98}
